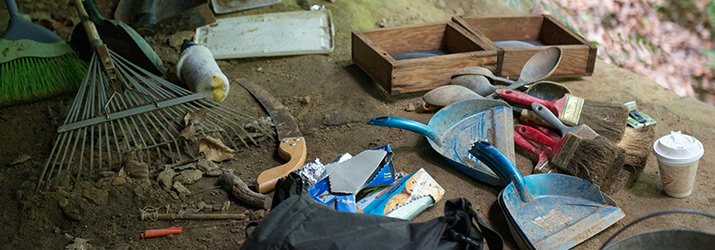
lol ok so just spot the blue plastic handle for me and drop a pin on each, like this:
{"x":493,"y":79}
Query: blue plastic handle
{"x":12,"y":8}
{"x":407,"y":124}
{"x":497,"y":162}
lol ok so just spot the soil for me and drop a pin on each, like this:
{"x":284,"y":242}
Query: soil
{"x":331,"y":98}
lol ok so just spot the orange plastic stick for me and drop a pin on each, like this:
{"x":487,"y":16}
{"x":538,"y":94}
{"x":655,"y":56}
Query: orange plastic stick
{"x":161,"y":232}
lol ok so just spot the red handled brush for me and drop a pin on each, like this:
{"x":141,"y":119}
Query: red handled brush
{"x":596,"y":160}
{"x":542,"y":165}
{"x":606,"y":118}
{"x":547,"y":131}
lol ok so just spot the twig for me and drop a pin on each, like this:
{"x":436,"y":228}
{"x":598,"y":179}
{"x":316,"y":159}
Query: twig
{"x":240,"y":190}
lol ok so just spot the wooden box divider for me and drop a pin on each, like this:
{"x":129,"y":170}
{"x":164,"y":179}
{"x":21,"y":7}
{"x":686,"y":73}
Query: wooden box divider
{"x":578,"y":58}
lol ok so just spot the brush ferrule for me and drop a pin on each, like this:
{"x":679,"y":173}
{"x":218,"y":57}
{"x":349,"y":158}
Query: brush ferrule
{"x":572,"y":110}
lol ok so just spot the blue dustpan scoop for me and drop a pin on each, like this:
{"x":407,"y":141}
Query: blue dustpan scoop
{"x":548,"y":211}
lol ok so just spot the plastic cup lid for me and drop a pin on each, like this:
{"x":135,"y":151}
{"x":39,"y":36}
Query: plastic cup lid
{"x":677,"y":148}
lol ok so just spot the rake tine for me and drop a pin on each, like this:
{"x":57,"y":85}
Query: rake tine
{"x":108,"y":143}
{"x":81,"y":158}
{"x":116,"y":141}
{"x":47,"y":165}
{"x":99,"y":147}
{"x":91,"y":149}
{"x":73,"y":149}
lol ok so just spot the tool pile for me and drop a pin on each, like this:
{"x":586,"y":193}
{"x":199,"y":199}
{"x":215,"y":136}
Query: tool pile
{"x":126,"y":111}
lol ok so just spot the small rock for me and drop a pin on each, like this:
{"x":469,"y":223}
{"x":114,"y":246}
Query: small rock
{"x":214,"y":173}
{"x":257,"y":215}
{"x":206,"y":165}
{"x":57,"y":230}
{"x":189,"y":177}
{"x":410,"y":107}
{"x":226,"y":205}
{"x":235,"y":230}
{"x":181,"y":189}
{"x":165,"y":178}
{"x":119,"y":181}
{"x":96,"y":196}
{"x":205,"y":207}
{"x":259,"y":69}
{"x":19,"y":194}
{"x":106,"y":174}
{"x":174,"y":195}
{"x":304,"y":100}
{"x":63,"y":203}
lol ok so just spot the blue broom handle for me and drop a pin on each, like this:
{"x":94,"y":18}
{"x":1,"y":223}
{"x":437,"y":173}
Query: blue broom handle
{"x":12,"y":8}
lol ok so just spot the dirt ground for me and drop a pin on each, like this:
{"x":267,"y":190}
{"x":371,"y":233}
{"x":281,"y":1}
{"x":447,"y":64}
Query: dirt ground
{"x":342,"y":98}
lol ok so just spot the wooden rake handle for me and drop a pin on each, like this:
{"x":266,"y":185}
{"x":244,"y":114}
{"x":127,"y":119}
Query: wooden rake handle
{"x":89,"y":27}
{"x":292,"y":149}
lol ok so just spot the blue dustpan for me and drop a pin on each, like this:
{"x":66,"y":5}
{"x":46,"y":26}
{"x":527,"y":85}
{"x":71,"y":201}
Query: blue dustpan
{"x":453,"y":129}
{"x":548,"y":211}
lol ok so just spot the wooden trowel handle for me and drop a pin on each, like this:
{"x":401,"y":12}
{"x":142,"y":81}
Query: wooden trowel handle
{"x":293,"y":150}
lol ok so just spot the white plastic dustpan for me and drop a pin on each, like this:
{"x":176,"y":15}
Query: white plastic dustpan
{"x":275,"y":34}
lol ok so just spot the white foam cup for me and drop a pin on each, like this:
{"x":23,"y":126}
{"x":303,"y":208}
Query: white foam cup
{"x":678,"y":155}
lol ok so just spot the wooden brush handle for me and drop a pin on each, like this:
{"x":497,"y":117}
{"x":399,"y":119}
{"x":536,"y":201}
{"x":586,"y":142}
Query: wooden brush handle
{"x":521,"y":98}
{"x":535,"y":136}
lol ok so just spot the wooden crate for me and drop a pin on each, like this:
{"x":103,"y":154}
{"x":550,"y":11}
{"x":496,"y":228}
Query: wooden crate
{"x":578,"y":58}
{"x":372,"y":51}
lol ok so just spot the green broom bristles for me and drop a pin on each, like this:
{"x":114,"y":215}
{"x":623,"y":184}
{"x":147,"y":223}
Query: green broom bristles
{"x":31,"y":78}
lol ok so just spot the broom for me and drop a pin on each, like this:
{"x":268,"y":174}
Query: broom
{"x":35,"y":62}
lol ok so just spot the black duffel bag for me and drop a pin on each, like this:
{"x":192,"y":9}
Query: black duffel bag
{"x":297,"y":222}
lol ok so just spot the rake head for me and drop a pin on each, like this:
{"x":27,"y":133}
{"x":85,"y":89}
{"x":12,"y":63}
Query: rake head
{"x":137,"y":115}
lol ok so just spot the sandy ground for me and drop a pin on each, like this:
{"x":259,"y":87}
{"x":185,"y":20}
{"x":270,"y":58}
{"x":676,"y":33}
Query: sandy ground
{"x":342,"y":99}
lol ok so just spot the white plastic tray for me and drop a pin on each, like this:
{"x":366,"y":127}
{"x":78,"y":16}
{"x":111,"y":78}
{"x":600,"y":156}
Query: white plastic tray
{"x":228,"y":6}
{"x":275,"y":34}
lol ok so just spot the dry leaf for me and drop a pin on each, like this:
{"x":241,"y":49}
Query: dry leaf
{"x":190,"y":119}
{"x":20,"y":159}
{"x":214,"y":149}
{"x":79,"y":244}
{"x":188,"y":132}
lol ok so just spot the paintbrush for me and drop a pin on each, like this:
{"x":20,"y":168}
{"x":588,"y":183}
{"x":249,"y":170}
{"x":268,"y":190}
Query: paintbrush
{"x":606,"y":118}
{"x":542,"y":154}
{"x":637,"y":142}
{"x":596,"y":160}
{"x":584,"y":131}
